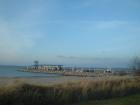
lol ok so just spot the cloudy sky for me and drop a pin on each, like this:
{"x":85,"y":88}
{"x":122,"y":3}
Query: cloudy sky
{"x":72,"y":32}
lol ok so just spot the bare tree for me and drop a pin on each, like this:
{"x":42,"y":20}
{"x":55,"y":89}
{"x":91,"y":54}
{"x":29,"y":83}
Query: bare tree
{"x":136,"y":65}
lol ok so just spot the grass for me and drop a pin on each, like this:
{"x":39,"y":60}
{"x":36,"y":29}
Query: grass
{"x":126,"y":100}
{"x":67,"y":93}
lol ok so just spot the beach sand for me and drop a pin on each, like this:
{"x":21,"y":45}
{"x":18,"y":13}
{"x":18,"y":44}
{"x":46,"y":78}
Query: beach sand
{"x":42,"y":80}
{"x":52,"y":80}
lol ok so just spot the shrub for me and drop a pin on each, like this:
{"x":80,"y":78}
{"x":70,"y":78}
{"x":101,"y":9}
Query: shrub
{"x":66,"y":93}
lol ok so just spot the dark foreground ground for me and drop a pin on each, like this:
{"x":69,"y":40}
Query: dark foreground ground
{"x":126,"y":100}
{"x":83,"y":91}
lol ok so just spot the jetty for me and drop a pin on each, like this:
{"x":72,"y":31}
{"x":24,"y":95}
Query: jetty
{"x":74,"y":71}
{"x":68,"y":71}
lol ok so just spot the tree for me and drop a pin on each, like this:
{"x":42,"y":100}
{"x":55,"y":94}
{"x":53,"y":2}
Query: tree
{"x":36,"y":64}
{"x":136,"y":65}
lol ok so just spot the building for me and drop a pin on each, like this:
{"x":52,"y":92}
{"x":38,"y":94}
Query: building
{"x":51,"y":67}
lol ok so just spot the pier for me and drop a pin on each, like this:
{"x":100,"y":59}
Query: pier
{"x":74,"y":71}
{"x":67,"y":71}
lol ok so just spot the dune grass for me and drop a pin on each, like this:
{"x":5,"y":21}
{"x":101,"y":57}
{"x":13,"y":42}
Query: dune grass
{"x":126,"y":100}
{"x":67,"y":93}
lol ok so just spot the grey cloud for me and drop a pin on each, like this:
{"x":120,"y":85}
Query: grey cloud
{"x":88,"y":58}
{"x":68,"y":57}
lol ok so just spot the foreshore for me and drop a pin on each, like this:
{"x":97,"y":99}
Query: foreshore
{"x":54,"y":80}
{"x":42,"y":80}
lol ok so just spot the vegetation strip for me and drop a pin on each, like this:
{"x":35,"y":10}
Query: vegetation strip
{"x":62,"y":94}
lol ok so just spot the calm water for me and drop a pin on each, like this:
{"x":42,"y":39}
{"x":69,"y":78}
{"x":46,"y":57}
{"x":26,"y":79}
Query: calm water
{"x":11,"y":71}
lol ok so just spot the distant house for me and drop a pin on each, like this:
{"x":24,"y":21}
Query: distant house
{"x":51,"y":67}
{"x":108,"y":70}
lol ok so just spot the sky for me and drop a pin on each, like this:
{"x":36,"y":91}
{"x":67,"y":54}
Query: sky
{"x":70,"y":32}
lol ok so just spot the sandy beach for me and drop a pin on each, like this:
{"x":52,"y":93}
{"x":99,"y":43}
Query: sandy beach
{"x":52,"y":80}
{"x":42,"y":80}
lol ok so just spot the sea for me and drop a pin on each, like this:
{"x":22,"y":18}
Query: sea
{"x":11,"y":71}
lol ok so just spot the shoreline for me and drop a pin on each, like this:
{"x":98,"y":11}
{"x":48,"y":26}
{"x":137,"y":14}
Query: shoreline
{"x":55,"y":79}
{"x":43,"y":80}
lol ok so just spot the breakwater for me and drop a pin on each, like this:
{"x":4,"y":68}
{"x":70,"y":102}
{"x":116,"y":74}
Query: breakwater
{"x":41,"y":71}
{"x":68,"y":73}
